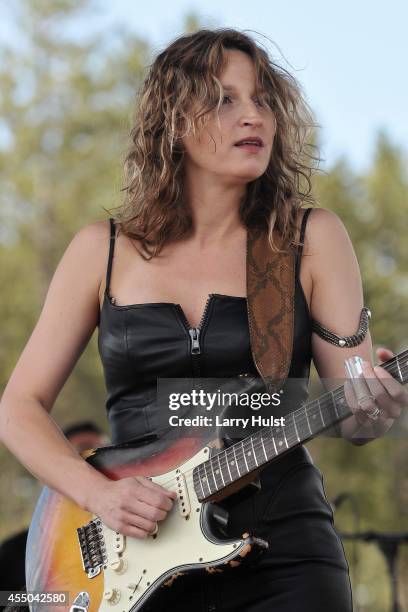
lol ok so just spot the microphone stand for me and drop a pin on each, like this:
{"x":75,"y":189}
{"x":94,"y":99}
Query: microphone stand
{"x":389,"y":544}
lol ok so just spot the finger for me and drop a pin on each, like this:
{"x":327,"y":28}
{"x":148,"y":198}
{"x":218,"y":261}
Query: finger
{"x":131,"y":519}
{"x":379,"y":395}
{"x":388,"y":407}
{"x":384,"y":354}
{"x":134,"y":532}
{"x":354,"y":369}
{"x":350,"y":396}
{"x":364,"y":406}
{"x":146,"y":511}
{"x":360,"y":416}
{"x":396,"y":391}
{"x":154,"y":496}
{"x":147,"y":482}
{"x":365,"y":409}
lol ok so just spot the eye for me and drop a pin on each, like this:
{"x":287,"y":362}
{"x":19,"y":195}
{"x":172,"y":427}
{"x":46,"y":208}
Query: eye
{"x":262,"y":100}
{"x":226,"y":98}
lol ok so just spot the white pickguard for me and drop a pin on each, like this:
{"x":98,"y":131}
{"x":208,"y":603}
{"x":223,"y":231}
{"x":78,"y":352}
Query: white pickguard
{"x":180,"y":543}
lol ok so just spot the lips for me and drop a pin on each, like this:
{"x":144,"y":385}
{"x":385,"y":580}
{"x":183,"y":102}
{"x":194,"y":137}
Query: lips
{"x":252,"y":140}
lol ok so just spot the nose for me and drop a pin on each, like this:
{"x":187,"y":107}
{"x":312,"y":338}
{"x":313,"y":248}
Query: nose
{"x":250,"y":115}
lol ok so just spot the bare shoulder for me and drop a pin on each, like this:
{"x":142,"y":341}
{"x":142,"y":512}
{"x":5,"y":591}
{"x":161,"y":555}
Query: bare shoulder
{"x":328,"y":255}
{"x":90,"y":246}
{"x":67,"y":320}
{"x":325,"y":231}
{"x":92,"y":237}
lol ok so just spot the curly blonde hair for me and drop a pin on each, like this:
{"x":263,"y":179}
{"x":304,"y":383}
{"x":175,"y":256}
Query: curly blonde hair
{"x":154,"y":209}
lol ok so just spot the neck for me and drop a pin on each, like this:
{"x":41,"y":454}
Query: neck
{"x":214,"y":206}
{"x":256,"y":451}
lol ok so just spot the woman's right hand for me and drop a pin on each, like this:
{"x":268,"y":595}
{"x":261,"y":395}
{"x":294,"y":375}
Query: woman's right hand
{"x":132,"y":506}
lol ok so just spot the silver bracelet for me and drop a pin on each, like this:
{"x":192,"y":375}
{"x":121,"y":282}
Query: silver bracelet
{"x":345,"y":341}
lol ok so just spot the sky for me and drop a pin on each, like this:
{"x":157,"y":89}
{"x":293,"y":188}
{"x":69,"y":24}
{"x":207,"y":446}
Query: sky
{"x":350,"y":57}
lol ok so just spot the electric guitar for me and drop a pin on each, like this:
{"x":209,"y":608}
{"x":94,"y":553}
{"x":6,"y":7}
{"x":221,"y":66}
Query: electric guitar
{"x":71,"y":550}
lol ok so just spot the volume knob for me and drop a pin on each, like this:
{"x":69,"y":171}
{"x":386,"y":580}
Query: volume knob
{"x":111,"y":595}
{"x":119,"y":565}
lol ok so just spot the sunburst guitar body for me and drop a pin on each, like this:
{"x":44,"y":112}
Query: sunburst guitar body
{"x":70,"y":550}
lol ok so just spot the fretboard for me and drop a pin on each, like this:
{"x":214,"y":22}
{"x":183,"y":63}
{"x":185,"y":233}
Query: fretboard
{"x":305,"y":423}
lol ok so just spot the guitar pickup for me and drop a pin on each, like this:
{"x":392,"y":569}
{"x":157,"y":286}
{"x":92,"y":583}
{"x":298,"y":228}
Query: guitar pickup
{"x":182,"y":495}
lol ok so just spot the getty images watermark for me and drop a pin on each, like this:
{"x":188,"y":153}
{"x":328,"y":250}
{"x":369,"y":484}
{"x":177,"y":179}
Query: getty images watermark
{"x":223,"y":401}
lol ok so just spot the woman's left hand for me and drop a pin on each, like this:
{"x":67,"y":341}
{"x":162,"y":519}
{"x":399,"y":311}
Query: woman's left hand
{"x":381,"y":402}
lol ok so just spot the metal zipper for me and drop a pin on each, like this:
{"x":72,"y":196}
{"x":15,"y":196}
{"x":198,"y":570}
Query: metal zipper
{"x":195,"y":340}
{"x":195,"y":333}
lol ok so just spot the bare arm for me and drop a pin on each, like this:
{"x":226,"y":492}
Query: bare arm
{"x":67,"y":321}
{"x":336,"y":302}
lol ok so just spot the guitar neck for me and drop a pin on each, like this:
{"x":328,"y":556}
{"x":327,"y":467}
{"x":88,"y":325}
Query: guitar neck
{"x":257,"y":450}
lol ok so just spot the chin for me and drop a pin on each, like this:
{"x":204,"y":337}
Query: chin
{"x":243,"y":175}
{"x":249,"y":176}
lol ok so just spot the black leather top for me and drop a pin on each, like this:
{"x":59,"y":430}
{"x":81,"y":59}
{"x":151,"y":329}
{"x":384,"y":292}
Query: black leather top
{"x":140,"y":342}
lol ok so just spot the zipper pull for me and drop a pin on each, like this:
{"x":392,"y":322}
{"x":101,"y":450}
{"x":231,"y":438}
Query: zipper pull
{"x":195,"y":340}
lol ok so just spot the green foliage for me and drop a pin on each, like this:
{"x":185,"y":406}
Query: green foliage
{"x":66,"y":107}
{"x":374,"y":209}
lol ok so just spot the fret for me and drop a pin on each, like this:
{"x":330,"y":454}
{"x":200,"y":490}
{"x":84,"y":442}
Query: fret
{"x":227,"y":463}
{"x":284,"y":435}
{"x":331,"y":410}
{"x":278,"y":437}
{"x":220,"y":468}
{"x":223,"y":465}
{"x":204,"y":481}
{"x":209,"y":475}
{"x":198,"y":477}
{"x":263,"y":446}
{"x":334,"y":404}
{"x":273,"y":440}
{"x":296,"y":429}
{"x":307,"y":419}
{"x":232,"y":463}
{"x":244,"y":455}
{"x":321,"y":414}
{"x":253,"y":450}
{"x":241,"y":454}
{"x":313,"y":420}
{"x":242,"y":460}
{"x":257,"y":445}
{"x":342,"y":405}
{"x":291,"y":438}
{"x":214,"y":473}
{"x":248,"y":454}
{"x":399,"y":370}
{"x":333,"y":416}
{"x":269,"y":443}
{"x":236,"y":462}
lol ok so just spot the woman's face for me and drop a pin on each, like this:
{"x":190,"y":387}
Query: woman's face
{"x":242,"y":116}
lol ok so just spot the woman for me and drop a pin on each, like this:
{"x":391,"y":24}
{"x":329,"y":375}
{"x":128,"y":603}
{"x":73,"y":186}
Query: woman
{"x":193,"y":188}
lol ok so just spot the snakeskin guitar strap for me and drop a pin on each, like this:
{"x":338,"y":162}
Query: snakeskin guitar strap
{"x":270,"y":302}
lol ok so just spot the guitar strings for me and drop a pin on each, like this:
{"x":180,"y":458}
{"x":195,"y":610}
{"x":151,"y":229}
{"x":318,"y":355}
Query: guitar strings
{"x":238,"y":450}
{"x":239,"y":447}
